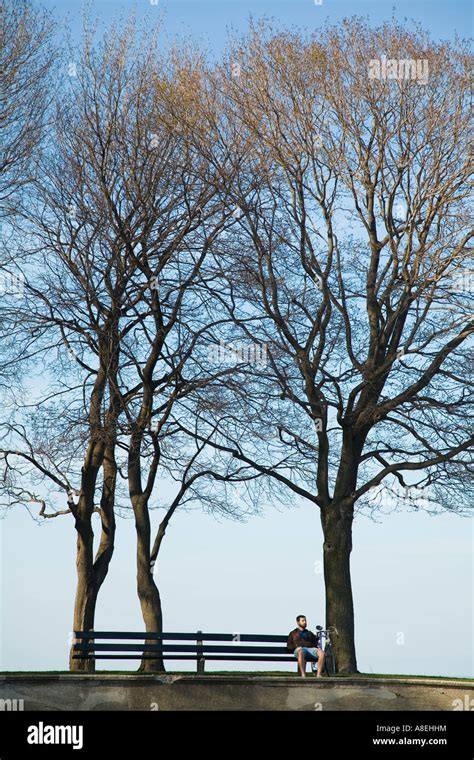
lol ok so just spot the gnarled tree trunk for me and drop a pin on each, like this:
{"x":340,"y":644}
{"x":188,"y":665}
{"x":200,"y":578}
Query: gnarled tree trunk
{"x":86,"y":589}
{"x":92,"y":573}
{"x":147,"y":589}
{"x":336,"y":521}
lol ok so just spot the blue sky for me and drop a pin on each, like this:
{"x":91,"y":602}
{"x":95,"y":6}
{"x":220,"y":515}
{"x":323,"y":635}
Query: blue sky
{"x":208,"y":21}
{"x":412,"y":580}
{"x":412,"y":573}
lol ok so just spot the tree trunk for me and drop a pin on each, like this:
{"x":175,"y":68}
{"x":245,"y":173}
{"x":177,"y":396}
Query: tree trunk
{"x":91,"y":573}
{"x":147,"y":589}
{"x":150,"y":603}
{"x":86,"y":592}
{"x":336,"y":521}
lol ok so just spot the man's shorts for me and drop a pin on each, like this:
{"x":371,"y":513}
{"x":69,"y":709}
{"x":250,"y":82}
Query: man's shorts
{"x":310,"y":653}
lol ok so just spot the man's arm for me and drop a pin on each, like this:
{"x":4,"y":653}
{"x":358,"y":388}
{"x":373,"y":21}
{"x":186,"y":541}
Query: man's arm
{"x":289,"y":642}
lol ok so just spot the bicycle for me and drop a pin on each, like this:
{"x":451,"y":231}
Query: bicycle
{"x":324,"y":637}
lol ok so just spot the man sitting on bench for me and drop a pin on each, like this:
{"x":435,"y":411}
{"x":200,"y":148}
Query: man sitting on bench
{"x":305,"y":646}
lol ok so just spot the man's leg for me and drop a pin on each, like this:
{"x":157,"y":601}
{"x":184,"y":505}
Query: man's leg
{"x":321,"y":657}
{"x":301,"y":661}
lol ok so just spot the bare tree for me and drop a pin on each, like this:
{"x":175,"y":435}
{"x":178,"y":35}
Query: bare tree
{"x":27,"y":67}
{"x":296,"y":199}
{"x":351,"y":265}
{"x":26,"y":62}
{"x":77,"y":268}
{"x":115,"y":240}
{"x":167,"y":355}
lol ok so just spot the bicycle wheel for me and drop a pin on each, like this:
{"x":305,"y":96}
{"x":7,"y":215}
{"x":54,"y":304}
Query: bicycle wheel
{"x":329,"y":661}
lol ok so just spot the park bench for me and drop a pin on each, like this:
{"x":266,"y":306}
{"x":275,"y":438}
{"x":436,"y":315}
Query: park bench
{"x":199,"y":646}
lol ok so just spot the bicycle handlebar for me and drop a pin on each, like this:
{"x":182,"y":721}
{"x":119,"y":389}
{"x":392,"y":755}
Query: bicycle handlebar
{"x":331,"y":629}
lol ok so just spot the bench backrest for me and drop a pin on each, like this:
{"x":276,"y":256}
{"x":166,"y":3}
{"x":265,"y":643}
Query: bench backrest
{"x":199,"y":644}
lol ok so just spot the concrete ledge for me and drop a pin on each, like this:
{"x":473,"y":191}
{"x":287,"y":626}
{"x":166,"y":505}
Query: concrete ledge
{"x":248,"y":693}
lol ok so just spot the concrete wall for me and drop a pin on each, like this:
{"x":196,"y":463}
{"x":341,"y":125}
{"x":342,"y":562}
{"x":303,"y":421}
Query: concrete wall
{"x":136,"y":692}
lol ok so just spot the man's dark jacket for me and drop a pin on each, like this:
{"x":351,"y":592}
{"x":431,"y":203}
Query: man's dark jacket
{"x":295,"y":640}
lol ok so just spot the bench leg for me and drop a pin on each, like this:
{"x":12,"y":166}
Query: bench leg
{"x":200,"y":665}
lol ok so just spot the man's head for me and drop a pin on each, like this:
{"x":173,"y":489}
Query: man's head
{"x":301,"y":621}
